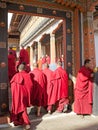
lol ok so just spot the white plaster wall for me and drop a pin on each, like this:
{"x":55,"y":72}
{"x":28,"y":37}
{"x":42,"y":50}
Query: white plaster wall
{"x":95,"y":95}
{"x":96,"y":47}
{"x":95,"y":90}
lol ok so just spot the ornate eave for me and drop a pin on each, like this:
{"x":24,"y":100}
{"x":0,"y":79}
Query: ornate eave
{"x":16,"y":18}
{"x":92,"y":4}
{"x":72,"y":3}
{"x":82,"y":5}
{"x":17,"y":24}
{"x":53,"y":4}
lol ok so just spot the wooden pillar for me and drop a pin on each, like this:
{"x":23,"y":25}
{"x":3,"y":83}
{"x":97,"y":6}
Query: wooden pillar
{"x":77,"y":46}
{"x":4,"y":102}
{"x":31,"y":55}
{"x":39,"y":50}
{"x":89,"y":47}
{"x":64,"y":43}
{"x":28,"y":50}
{"x":68,"y":43}
{"x":52,"y":48}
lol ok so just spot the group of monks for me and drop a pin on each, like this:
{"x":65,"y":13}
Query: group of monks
{"x":14,"y":62}
{"x":46,"y":88}
{"x":40,"y":88}
{"x":42,"y":60}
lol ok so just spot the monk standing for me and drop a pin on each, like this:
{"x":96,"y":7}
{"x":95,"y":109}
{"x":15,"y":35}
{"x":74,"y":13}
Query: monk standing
{"x":40,"y":63}
{"x":23,"y":56}
{"x":11,"y":65}
{"x":83,"y":90}
{"x":48,"y":74}
{"x":21,"y":89}
{"x":47,"y":59}
{"x":39,"y":97}
{"x":59,"y":89}
{"x":13,"y":51}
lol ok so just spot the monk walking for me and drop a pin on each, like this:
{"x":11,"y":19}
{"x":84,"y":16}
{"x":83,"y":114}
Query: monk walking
{"x":23,"y":56}
{"x":21,"y":89}
{"x":59,"y":89}
{"x":48,"y":74}
{"x":13,"y":51}
{"x":83,"y":90}
{"x":11,"y":65}
{"x":39,"y":97}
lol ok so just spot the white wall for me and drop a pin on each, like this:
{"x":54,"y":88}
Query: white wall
{"x":96,"y":47}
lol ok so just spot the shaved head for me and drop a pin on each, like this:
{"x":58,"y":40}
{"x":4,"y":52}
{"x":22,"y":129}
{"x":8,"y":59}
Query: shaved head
{"x":35,"y":65}
{"x":46,"y":65}
{"x":21,"y":67}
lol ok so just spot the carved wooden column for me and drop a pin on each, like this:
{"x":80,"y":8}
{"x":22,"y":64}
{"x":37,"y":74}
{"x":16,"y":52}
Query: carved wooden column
{"x":89,"y":47}
{"x":68,"y":42}
{"x":39,"y":50}
{"x":4,"y":102}
{"x":52,"y":48}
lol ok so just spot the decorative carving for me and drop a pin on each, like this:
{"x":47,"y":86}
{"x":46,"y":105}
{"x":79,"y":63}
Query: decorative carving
{"x":69,"y":48}
{"x":39,"y":10}
{"x":68,"y":14}
{"x":21,"y":7}
{"x":69,"y":64}
{"x":54,"y":12}
{"x":3,"y":64}
{"x":68,"y":31}
{"x":2,"y":44}
{"x":48,"y":0}
{"x":3,"y":0}
{"x":91,"y":40}
{"x":4,"y":105}
{"x":2,"y":24}
{"x":3,"y":5}
{"x":3,"y":85}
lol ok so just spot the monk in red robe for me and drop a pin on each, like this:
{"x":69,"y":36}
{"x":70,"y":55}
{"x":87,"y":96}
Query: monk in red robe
{"x":27,"y":67}
{"x":47,"y":59}
{"x":40,"y":63}
{"x":11,"y":65}
{"x":43,"y":60}
{"x":48,"y":75}
{"x":23,"y":56}
{"x":21,"y":89}
{"x":39,"y":97}
{"x":59,"y":89}
{"x":83,"y":90}
{"x":13,"y":52}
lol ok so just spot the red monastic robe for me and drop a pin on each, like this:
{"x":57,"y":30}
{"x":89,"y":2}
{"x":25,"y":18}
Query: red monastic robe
{"x":43,"y":60}
{"x":48,"y":59}
{"x":11,"y":65}
{"x":28,"y":69}
{"x":13,"y":52}
{"x":23,"y":56}
{"x":83,"y":92}
{"x":21,"y":89}
{"x":48,"y":74}
{"x":39,"y":93}
{"x":59,"y":86}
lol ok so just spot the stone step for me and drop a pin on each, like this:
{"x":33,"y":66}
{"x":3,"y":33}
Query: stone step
{"x":4,"y":119}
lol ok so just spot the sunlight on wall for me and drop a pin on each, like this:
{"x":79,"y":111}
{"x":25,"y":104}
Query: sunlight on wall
{"x":9,"y":18}
{"x":96,"y":47}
